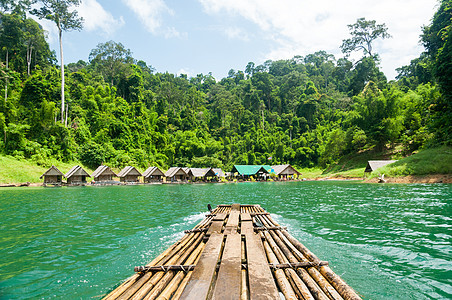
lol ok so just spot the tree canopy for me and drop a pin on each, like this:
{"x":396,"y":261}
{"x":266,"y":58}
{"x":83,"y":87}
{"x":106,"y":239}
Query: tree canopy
{"x":364,"y":33}
{"x":307,"y":111}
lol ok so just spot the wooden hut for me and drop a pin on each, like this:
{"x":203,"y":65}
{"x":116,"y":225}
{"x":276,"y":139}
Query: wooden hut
{"x":259,"y":172}
{"x":219,"y":172}
{"x":52,"y":176}
{"x":176,"y":174}
{"x":201,"y":174}
{"x":76,"y":175}
{"x":372,"y":165}
{"x":103,"y":174}
{"x":284,"y":172}
{"x":129,"y":175}
{"x":153,"y":174}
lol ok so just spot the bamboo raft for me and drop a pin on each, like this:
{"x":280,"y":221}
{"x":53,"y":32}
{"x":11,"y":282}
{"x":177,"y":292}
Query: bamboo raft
{"x":236,"y":252}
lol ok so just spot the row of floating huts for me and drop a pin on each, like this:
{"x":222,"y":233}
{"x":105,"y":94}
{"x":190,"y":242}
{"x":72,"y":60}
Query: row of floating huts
{"x":130,"y":175}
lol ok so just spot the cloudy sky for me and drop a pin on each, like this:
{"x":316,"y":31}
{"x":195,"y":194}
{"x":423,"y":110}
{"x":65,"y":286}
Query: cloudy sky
{"x":202,"y":36}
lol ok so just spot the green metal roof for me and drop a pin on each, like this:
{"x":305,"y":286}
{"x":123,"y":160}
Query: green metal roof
{"x":250,"y":169}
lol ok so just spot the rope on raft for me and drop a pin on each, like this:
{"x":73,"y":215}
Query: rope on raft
{"x":186,"y":268}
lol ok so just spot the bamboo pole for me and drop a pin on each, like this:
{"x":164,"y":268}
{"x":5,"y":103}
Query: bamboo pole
{"x":151,"y":278}
{"x":301,"y":286}
{"x":163,"y":290}
{"x":331,"y":290}
{"x":184,"y":282}
{"x":294,"y":256}
{"x":281,"y":279}
{"x":173,"y":285}
{"x":309,"y":282}
{"x":244,"y":283}
{"x":131,"y":280}
{"x":344,"y":290}
{"x":157,"y":284}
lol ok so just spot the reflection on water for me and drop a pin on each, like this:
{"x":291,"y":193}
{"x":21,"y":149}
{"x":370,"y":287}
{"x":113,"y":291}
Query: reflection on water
{"x":386,"y":241}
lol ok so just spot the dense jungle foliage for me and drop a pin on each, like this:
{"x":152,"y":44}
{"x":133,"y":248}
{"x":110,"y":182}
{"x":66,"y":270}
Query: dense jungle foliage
{"x":306,"y":111}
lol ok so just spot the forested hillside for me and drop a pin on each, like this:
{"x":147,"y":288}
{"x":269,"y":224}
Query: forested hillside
{"x":307,"y":111}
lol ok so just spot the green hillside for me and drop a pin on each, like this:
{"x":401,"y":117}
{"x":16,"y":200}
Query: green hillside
{"x":16,"y":171}
{"x":317,"y":112}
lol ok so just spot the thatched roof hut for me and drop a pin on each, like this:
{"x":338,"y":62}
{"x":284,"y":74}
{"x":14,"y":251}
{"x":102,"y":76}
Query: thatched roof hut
{"x":176,"y":174}
{"x":129,"y":174}
{"x":219,"y":172}
{"x":103,"y":173}
{"x":203,"y":173}
{"x":52,"y":176}
{"x":284,"y":171}
{"x":153,"y":174}
{"x":372,"y":165}
{"x":76,"y":175}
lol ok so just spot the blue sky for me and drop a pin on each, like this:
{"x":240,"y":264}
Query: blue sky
{"x":202,"y":36}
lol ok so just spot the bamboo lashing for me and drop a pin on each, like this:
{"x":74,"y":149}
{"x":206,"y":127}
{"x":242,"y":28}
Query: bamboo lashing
{"x":186,"y":268}
{"x":265,"y":246}
{"x":270,"y":228}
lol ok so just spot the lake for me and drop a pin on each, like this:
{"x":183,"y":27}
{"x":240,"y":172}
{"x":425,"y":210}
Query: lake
{"x":386,"y":241}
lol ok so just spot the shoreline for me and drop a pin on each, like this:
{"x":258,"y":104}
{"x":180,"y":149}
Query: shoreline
{"x":432,"y":178}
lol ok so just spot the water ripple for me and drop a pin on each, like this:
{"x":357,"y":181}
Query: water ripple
{"x":387,"y":241}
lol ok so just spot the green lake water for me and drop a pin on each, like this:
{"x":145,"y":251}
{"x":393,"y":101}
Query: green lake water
{"x":386,"y":241}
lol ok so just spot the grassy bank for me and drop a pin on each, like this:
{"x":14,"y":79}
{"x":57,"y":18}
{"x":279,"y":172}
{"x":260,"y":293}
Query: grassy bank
{"x":13,"y":170}
{"x":426,"y":162}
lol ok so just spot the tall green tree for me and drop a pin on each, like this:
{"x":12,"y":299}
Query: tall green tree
{"x":437,"y":39}
{"x":16,"y":5}
{"x":109,"y":59}
{"x":59,"y":12}
{"x":10,"y":37}
{"x":36,"y":47}
{"x":364,"y":33}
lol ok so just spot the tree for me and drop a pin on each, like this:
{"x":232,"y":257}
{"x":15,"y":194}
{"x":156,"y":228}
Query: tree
{"x":58,"y":12}
{"x":110,"y":58}
{"x":437,"y":39}
{"x":34,"y":40}
{"x":15,"y":5}
{"x":249,"y":70}
{"x":9,"y":33}
{"x":366,"y":70}
{"x":363,"y":34}
{"x":377,"y":113}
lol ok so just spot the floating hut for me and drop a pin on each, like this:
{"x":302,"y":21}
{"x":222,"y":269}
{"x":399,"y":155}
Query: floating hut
{"x":259,"y":172}
{"x":129,"y":175}
{"x":201,"y":174}
{"x":52,"y":176}
{"x":175,"y":174}
{"x":284,"y":172}
{"x":76,"y":176}
{"x":372,"y":165}
{"x":153,"y":174}
{"x":236,"y":252}
{"x":219,"y":172}
{"x":103,"y":174}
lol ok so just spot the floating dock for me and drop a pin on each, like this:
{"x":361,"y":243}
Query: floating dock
{"x":236,"y":252}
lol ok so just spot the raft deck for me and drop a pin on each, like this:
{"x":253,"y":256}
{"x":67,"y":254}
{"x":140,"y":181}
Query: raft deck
{"x":236,"y":252}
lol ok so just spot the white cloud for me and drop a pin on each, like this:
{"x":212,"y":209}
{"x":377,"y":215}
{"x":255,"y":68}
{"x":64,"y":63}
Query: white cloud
{"x":236,"y":33}
{"x":184,"y":71}
{"x":150,"y":13}
{"x":49,"y":27}
{"x":300,"y":27}
{"x":96,"y":17}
